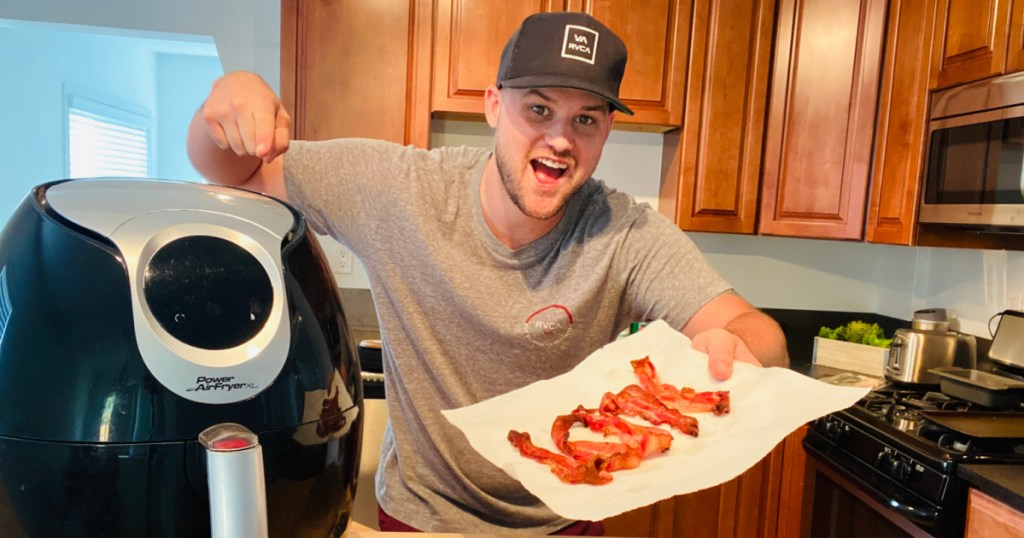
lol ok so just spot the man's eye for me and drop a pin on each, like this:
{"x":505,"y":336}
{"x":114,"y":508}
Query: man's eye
{"x":586,"y":120}
{"x":540,"y":110}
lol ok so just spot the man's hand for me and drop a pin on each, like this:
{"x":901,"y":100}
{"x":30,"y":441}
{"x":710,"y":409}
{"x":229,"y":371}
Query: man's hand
{"x":723,"y":349}
{"x":730,"y":329}
{"x":243,"y":114}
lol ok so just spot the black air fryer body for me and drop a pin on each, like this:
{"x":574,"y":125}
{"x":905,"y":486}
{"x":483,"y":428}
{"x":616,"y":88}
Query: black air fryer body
{"x":136,"y":314}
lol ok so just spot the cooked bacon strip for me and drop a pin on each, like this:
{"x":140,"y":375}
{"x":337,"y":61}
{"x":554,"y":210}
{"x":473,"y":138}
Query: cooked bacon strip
{"x":634,"y":401}
{"x":603,"y":454}
{"x":607,"y":456}
{"x":648,"y":440}
{"x":684,"y":400}
{"x":565,"y":468}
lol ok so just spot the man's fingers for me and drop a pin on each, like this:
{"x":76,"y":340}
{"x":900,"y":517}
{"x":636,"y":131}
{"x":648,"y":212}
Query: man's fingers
{"x":215,"y":130}
{"x":723,"y":348}
{"x":721,"y":353}
{"x":721,"y":369}
{"x":264,"y":118}
{"x":282,"y":135}
{"x":245,"y":118}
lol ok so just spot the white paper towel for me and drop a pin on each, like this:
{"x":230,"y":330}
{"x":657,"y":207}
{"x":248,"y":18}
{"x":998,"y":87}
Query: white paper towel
{"x":767,"y":405}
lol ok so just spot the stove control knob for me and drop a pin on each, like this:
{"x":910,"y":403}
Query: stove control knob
{"x":899,"y":469}
{"x":883,"y":461}
{"x":833,"y":430}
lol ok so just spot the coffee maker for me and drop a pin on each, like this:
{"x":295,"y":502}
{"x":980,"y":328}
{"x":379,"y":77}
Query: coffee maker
{"x":174,"y":361}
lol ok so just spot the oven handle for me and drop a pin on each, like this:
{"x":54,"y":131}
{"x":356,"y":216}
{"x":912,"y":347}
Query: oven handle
{"x":846,"y":464}
{"x":912,"y":512}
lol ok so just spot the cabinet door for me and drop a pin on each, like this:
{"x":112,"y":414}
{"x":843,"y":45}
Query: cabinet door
{"x":467,"y":47}
{"x":1015,"y":47}
{"x":902,"y":121}
{"x":821,"y":118}
{"x":655,"y":33}
{"x":765,"y":501}
{"x":989,"y":518}
{"x":471,"y":34}
{"x":345,"y":68}
{"x":973,"y":41}
{"x":711,"y":167}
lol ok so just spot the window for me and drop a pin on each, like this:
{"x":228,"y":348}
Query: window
{"x":107,"y":140}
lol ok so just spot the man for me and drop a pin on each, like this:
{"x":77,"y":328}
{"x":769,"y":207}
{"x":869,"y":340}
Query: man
{"x":490,"y":269}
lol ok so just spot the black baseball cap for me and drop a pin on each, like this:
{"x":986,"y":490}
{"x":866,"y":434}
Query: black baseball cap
{"x":565,"y":50}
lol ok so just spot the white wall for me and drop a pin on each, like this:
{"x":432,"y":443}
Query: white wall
{"x":182,"y":84}
{"x":246,"y":32}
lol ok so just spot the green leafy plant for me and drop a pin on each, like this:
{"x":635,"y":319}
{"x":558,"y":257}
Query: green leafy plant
{"x":858,"y":332}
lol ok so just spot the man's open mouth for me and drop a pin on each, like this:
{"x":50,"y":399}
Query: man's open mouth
{"x":548,"y":170}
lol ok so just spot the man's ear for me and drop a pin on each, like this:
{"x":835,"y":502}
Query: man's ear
{"x":492,"y":105}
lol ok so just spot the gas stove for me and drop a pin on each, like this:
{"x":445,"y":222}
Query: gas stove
{"x":893,"y":443}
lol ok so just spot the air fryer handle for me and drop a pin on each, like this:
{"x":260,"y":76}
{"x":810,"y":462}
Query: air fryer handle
{"x":238,"y":496}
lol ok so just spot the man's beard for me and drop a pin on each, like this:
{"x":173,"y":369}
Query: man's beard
{"x":513,"y":189}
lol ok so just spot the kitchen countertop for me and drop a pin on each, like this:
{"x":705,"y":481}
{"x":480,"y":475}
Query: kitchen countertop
{"x":356,"y":530}
{"x":1005,"y":483}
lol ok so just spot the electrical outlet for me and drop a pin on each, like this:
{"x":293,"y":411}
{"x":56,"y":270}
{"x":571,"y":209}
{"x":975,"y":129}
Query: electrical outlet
{"x":339,"y":257}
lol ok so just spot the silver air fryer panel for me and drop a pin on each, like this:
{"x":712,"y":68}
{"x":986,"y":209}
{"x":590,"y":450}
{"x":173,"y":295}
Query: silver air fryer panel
{"x":205,"y":271}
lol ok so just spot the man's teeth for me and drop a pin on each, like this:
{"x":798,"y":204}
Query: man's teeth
{"x":552,"y":164}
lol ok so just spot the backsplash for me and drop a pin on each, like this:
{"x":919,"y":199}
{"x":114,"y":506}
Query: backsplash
{"x":780,"y":272}
{"x":360,"y":313}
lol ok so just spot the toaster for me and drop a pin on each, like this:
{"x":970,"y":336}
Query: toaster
{"x":928,"y":343}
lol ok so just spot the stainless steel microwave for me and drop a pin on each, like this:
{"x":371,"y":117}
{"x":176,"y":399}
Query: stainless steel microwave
{"x":974,"y":163}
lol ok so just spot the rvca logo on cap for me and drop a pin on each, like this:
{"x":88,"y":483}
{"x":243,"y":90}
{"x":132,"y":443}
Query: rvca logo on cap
{"x":580,"y":43}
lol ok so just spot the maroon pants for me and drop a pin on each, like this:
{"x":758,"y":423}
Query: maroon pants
{"x":580,"y":528}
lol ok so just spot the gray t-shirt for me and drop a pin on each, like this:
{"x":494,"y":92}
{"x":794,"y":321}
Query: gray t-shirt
{"x":464,"y":318}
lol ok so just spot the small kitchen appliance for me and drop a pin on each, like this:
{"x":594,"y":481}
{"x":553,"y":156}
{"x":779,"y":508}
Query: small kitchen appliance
{"x":174,"y":361}
{"x":1007,"y":349}
{"x":974,"y":159}
{"x":1003,"y":386}
{"x":928,"y":343}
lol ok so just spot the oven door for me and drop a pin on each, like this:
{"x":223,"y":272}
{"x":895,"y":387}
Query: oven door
{"x":844,"y":497}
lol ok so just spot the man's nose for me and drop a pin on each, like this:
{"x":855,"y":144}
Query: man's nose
{"x":560,"y":137}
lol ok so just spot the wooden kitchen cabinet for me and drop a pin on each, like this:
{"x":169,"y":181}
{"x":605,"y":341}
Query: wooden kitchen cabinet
{"x":765,"y":501}
{"x":989,"y":518}
{"x":901,"y":130}
{"x":711,"y":168}
{"x":1015,"y":46}
{"x":468,"y":42}
{"x":973,"y":40}
{"x":357,"y":68}
{"x":821,"y":118}
{"x":471,"y":33}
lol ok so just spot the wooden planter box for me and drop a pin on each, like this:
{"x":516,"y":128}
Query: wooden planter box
{"x":860,"y":358}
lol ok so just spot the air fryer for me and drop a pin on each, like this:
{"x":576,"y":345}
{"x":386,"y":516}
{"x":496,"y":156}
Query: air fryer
{"x":138,"y":315}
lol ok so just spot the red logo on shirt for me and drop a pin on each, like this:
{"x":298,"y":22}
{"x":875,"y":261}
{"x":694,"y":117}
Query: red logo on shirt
{"x":549,"y":325}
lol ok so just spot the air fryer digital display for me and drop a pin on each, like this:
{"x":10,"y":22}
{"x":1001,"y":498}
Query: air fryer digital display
{"x":208,"y":292}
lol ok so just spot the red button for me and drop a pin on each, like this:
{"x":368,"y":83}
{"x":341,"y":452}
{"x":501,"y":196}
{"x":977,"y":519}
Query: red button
{"x":230,"y":443}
